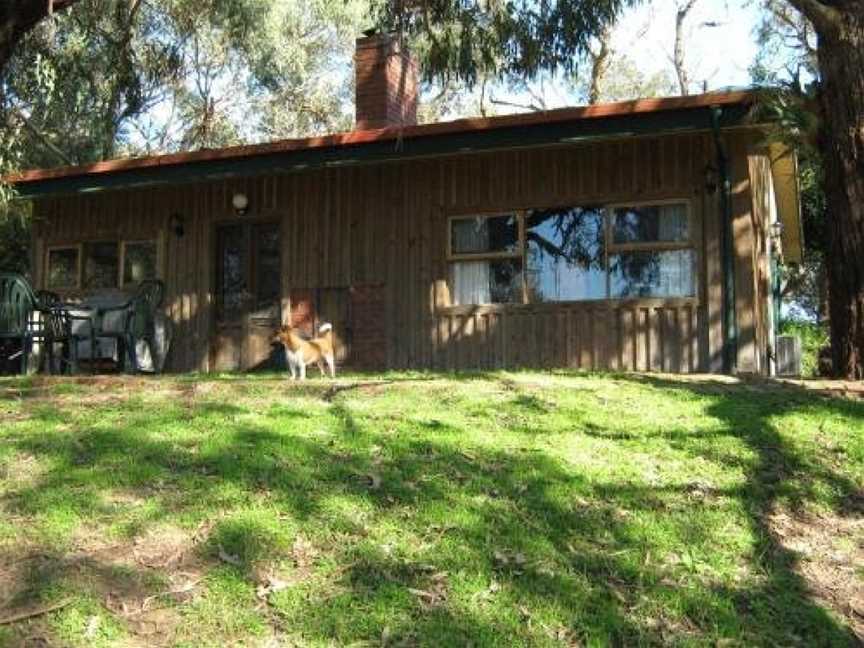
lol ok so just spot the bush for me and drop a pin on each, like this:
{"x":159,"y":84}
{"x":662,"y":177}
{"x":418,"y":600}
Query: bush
{"x":813,"y":336}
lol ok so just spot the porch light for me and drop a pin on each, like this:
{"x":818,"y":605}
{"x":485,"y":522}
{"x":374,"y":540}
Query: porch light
{"x":240,"y":202}
{"x":177,"y":225}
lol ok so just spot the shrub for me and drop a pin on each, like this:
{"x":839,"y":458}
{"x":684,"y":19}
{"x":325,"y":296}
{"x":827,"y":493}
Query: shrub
{"x":813,"y":336}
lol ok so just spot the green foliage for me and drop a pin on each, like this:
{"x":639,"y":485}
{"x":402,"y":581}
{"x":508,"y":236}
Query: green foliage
{"x":814,"y":337}
{"x":512,"y":508}
{"x":476,"y":39}
{"x":622,"y":80}
{"x":14,"y":238}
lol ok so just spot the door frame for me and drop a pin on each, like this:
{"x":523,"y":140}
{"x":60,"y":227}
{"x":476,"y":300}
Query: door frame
{"x":250,"y":220}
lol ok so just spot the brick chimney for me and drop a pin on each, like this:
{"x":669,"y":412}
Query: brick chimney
{"x":386,"y":83}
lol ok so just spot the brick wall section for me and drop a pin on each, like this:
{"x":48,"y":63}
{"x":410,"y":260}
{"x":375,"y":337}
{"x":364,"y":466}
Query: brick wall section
{"x":386,"y":83}
{"x":369,"y":339}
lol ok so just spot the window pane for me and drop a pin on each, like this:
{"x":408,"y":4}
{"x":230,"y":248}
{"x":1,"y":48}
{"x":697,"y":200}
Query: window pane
{"x":101,"y":263}
{"x":565,"y":254}
{"x":487,"y":282}
{"x":653,"y":274}
{"x":480,"y":235}
{"x":232,"y":273}
{"x":139,"y":262}
{"x":268,"y":265}
{"x":63,"y":268}
{"x":650,"y":224}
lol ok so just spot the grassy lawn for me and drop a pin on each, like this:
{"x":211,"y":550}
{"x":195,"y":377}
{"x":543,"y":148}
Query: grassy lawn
{"x":408,"y":509}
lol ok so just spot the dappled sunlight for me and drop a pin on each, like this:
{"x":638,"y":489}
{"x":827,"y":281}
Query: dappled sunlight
{"x":486,"y":508}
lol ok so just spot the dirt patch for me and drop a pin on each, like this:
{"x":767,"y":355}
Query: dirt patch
{"x":141,"y":582}
{"x":830,"y":551}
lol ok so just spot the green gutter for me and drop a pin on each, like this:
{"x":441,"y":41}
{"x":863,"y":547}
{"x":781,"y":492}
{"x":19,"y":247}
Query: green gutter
{"x":730,"y":330}
{"x":496,"y":139}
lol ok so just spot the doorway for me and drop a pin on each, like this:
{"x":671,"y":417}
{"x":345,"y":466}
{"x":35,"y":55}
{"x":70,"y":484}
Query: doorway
{"x":248,"y":289}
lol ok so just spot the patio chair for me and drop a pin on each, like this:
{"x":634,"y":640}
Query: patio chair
{"x":128,"y":322}
{"x":27,"y":319}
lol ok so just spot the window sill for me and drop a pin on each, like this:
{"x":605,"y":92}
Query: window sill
{"x":598,"y":304}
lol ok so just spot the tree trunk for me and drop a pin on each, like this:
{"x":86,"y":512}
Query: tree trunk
{"x":599,"y":64}
{"x":678,"y":52}
{"x":841,"y":66}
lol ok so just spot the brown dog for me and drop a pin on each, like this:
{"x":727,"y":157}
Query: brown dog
{"x":300,"y":352}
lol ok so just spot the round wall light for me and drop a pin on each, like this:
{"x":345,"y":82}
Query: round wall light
{"x":240,"y":203}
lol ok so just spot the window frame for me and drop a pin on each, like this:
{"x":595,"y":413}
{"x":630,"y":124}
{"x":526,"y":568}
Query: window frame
{"x":689,"y":243}
{"x":100,"y":241}
{"x":79,"y":249}
{"x":452,"y":258}
{"x":610,"y":248}
{"x":121,"y":273}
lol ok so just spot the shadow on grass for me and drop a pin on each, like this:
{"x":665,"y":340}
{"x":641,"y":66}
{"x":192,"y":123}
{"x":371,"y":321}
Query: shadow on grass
{"x":543,"y":543}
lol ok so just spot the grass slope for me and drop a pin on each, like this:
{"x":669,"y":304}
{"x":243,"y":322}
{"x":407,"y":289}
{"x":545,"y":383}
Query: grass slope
{"x":481,"y":509}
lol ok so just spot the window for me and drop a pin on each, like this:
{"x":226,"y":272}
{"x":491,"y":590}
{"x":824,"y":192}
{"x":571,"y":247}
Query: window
{"x":487,"y":267}
{"x":651,"y":254}
{"x":268,"y":265}
{"x":565,"y":254}
{"x":139,"y":261}
{"x":62,"y":267}
{"x":101,"y":264}
{"x":666,"y":273}
{"x":573,"y":254}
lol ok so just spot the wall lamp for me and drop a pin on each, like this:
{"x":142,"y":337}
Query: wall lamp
{"x":712,"y":179}
{"x":240,"y":203}
{"x":177,"y":225}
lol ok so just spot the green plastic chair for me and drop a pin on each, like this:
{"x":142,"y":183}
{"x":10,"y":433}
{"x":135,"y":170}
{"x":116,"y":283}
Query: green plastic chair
{"x":26,"y":319}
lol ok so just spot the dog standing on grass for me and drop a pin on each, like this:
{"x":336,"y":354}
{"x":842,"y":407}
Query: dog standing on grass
{"x":299,"y":352}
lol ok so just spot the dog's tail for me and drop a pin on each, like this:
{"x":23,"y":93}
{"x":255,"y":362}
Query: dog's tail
{"x":325,"y":328}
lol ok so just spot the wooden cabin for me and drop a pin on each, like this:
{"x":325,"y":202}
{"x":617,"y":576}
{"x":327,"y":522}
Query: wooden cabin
{"x":630,"y":236}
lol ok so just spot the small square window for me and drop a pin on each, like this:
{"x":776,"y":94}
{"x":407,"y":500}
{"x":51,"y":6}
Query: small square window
{"x":139,"y":261}
{"x":101,"y":264}
{"x":62,"y":268}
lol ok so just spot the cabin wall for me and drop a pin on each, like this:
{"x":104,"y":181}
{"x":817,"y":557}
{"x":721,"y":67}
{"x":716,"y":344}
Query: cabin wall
{"x":366,"y":247}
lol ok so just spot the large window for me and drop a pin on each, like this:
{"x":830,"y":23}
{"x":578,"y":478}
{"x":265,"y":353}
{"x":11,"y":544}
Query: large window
{"x":566,"y":254}
{"x":573,"y":254}
{"x":100,"y":264}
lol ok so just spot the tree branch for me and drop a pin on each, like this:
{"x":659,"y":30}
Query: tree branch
{"x":43,"y":139}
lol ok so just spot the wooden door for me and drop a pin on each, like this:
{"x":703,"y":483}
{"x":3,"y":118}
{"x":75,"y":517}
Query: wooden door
{"x":248,"y":289}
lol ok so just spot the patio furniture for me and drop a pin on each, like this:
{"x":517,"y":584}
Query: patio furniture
{"x":28,"y":320}
{"x":119,"y":322}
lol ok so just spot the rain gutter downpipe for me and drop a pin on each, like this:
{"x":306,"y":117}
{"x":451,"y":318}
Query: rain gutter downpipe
{"x":730,"y":332}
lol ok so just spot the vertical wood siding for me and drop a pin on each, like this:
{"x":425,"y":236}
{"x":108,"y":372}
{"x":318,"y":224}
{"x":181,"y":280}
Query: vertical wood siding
{"x":385,"y":224}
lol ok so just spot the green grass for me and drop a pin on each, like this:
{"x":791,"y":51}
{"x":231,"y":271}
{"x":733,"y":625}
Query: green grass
{"x":410,"y":509}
